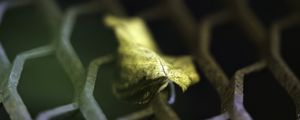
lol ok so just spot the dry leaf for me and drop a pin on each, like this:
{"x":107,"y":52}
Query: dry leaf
{"x":144,"y":71}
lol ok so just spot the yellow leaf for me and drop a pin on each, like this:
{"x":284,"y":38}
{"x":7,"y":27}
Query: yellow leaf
{"x":144,"y":71}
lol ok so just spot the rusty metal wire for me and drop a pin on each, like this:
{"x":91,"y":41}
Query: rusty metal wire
{"x":197,"y":36}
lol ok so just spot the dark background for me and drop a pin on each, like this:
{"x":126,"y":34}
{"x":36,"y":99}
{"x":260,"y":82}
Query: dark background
{"x":45,"y":85}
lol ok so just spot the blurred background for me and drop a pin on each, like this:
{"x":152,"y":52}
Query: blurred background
{"x":44,"y":84}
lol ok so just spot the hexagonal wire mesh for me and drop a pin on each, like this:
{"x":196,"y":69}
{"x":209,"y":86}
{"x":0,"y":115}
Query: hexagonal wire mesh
{"x":196,"y":35}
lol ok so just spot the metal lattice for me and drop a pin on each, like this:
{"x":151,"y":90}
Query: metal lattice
{"x":197,"y":37}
